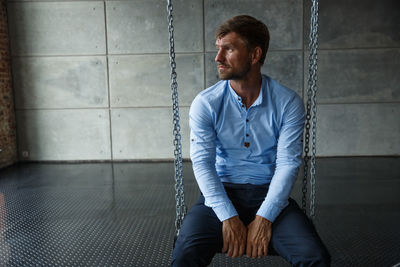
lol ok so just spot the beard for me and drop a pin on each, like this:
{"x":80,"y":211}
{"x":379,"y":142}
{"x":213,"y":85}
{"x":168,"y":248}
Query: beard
{"x":231,"y":74}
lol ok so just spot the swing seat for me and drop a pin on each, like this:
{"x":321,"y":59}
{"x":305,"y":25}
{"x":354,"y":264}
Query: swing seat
{"x":310,"y":129}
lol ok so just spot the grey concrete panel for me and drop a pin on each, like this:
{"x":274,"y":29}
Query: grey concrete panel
{"x":358,"y":129}
{"x":64,"y":134}
{"x":141,"y":26}
{"x":286,"y":68}
{"x":211,"y":69}
{"x":356,"y":24}
{"x":144,"y":80}
{"x":60,"y":82}
{"x":51,"y":0}
{"x":283,"y":19}
{"x":61,"y":28}
{"x":356,"y":76}
{"x":146,"y":133}
{"x":283,"y":66}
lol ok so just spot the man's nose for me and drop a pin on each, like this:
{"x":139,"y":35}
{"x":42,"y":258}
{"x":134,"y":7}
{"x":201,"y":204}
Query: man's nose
{"x":219,"y":56}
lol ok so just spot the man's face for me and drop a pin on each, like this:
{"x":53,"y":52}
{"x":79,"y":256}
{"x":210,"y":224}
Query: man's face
{"x":233,"y":57}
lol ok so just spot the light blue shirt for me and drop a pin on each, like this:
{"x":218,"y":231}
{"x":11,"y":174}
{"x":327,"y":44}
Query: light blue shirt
{"x":260,"y":145}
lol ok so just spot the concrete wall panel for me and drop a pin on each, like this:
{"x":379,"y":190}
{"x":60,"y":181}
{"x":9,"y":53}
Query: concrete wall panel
{"x":358,"y":129}
{"x":283,"y":18}
{"x":141,"y":26}
{"x":283,"y":66}
{"x":144,"y":80}
{"x":66,"y":28}
{"x":211,"y":69}
{"x":52,"y":0}
{"x":60,"y":82}
{"x":286,"y":68}
{"x":63,"y":64}
{"x":64,"y":134}
{"x":146,"y":133}
{"x":356,"y":76}
{"x":356,"y":24}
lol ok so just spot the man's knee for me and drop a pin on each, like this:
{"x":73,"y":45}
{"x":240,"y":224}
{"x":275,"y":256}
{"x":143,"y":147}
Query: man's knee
{"x":188,"y":253}
{"x":182,"y":257}
{"x":313,"y":256}
{"x":200,"y":237}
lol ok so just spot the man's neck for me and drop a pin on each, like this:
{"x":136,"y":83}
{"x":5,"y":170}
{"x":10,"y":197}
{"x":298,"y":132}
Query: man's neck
{"x":248,"y":89}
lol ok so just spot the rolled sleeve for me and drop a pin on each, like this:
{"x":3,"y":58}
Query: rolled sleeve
{"x":203,"y":156}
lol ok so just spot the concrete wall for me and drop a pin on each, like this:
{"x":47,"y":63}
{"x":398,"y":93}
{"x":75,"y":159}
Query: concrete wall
{"x":92,"y":77}
{"x":8,"y":145}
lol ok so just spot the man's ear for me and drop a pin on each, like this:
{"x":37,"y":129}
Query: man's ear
{"x":257,"y":51}
{"x":256,"y":55}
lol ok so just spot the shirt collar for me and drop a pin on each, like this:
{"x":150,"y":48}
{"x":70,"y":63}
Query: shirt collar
{"x":259,"y":99}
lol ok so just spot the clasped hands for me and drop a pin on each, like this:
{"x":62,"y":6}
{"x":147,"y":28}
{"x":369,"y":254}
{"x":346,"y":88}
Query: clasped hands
{"x":255,"y":238}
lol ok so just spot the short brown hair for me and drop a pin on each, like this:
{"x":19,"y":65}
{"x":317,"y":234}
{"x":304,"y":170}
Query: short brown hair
{"x":254,"y":32}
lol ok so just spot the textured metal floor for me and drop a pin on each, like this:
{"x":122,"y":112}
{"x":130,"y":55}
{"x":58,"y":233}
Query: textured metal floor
{"x":122,"y":214}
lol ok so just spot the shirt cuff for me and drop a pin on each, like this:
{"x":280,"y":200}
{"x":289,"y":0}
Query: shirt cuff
{"x":225,"y":211}
{"x":271,"y":211}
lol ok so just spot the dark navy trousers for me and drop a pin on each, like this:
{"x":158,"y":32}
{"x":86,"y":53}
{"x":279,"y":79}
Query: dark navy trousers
{"x":293,"y":235}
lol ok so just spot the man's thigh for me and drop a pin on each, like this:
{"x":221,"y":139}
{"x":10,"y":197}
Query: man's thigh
{"x":200,"y":237}
{"x":295,"y":238}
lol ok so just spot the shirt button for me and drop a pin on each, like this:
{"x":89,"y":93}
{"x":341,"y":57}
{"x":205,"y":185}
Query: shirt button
{"x":242,"y":106}
{"x":247,"y":120}
{"x":246,"y":144}
{"x":247,"y":135}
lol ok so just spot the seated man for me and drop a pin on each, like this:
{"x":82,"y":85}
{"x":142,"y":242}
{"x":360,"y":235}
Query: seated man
{"x":246,"y":147}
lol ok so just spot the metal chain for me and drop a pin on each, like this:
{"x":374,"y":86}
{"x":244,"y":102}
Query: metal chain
{"x":179,"y":185}
{"x":312,"y":102}
{"x":306,"y":150}
{"x":310,"y":116}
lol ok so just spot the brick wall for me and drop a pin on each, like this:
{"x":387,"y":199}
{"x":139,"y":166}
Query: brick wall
{"x":8,"y":154}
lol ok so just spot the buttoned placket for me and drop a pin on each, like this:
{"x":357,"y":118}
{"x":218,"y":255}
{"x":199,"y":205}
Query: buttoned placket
{"x":245,"y":116}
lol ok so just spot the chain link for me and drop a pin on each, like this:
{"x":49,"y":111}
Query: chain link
{"x":311,"y":115}
{"x":306,"y":150}
{"x":179,"y":185}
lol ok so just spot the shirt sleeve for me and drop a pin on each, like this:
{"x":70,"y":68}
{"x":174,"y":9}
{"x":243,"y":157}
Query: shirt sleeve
{"x":203,"y":156}
{"x":288,"y":160}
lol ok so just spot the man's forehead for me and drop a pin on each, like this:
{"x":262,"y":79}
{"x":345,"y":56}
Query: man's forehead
{"x":229,"y":38}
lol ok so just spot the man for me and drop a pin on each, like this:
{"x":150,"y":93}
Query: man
{"x":246,"y":147}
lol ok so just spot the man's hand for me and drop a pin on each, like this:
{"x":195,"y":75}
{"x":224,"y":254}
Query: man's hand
{"x":258,"y":236}
{"x":234,"y":234}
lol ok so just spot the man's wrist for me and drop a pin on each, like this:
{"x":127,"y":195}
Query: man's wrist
{"x":225,"y":212}
{"x":232,"y":219}
{"x":269,"y":211}
{"x":264,"y":220}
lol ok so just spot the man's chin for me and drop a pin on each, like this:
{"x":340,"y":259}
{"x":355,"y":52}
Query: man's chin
{"x":224,"y":76}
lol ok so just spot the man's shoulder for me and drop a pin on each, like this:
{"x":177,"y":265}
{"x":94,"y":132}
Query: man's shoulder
{"x":213,"y":94}
{"x":280,"y":94}
{"x":277,"y":89}
{"x":284,"y":99}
